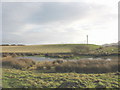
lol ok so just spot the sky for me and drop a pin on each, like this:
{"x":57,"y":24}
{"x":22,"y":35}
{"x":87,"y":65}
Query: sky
{"x":60,"y":22}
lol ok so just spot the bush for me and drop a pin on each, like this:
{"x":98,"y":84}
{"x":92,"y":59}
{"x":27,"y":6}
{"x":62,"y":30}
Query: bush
{"x":44,"y":65}
{"x":17,"y":63}
{"x":80,"y":50}
{"x":88,"y":66}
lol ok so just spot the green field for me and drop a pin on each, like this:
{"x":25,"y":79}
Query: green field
{"x":56,"y":48}
{"x":13,"y":78}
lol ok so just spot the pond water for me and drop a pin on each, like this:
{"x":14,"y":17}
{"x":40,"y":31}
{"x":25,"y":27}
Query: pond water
{"x":52,"y":59}
{"x":38,"y":58}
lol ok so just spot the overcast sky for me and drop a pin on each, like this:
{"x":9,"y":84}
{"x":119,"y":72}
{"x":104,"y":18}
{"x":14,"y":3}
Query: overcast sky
{"x":60,"y":22}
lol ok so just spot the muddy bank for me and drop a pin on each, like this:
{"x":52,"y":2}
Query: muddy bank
{"x":56,"y":55}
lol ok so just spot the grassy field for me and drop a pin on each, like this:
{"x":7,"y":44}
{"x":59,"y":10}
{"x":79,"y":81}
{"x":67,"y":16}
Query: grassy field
{"x":25,"y":73}
{"x":13,"y":78}
{"x":56,"y":48}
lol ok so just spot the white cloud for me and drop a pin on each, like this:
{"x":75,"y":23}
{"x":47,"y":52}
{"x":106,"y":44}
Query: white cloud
{"x":44,"y":23}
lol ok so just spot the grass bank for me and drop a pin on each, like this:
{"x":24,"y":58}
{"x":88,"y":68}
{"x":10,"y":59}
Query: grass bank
{"x":55,"y":48}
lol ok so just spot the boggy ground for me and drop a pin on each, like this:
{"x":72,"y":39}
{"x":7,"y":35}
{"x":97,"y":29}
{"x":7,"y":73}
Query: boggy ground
{"x":13,"y":78}
{"x":63,"y":66}
{"x":26,"y":73}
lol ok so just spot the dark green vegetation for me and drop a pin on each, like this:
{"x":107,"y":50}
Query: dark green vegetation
{"x":13,"y":78}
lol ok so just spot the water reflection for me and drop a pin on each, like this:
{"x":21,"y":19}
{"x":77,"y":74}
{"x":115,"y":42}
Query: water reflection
{"x":52,"y":59}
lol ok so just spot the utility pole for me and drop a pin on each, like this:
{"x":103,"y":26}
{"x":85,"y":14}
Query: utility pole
{"x":87,"y":39}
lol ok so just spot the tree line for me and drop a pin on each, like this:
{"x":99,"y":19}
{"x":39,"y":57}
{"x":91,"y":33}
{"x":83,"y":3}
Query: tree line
{"x":12,"y":45}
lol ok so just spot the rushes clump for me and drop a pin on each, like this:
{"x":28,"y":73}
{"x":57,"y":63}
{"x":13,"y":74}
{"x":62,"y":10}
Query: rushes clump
{"x":9,"y":62}
{"x":64,"y":66}
{"x":88,"y":66}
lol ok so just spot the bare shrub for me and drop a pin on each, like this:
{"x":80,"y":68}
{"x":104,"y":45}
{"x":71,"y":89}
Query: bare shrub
{"x":17,"y":63}
{"x":60,"y":61}
{"x":88,"y":66}
{"x":44,"y":65}
{"x":80,"y":49}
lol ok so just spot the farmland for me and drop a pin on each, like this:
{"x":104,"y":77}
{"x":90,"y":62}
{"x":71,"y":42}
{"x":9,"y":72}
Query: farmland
{"x":61,"y":50}
{"x":56,"y":48}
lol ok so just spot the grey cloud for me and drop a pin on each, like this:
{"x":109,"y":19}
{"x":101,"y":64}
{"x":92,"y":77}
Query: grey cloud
{"x":15,"y":14}
{"x":63,"y":12}
{"x":50,"y":17}
{"x":14,"y":17}
{"x":53,"y":12}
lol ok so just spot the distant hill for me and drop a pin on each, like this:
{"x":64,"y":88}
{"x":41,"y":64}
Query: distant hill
{"x":112,"y":44}
{"x":55,"y":48}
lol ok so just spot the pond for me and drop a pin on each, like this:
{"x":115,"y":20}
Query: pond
{"x":52,"y":59}
{"x":37,"y":58}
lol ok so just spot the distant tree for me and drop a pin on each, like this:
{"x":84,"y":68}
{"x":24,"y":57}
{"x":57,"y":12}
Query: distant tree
{"x":5,"y":44}
{"x":80,"y":50}
{"x":13,"y":44}
{"x":20,"y":45}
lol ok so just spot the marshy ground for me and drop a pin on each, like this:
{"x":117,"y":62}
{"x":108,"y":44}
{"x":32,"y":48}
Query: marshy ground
{"x":60,"y":73}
